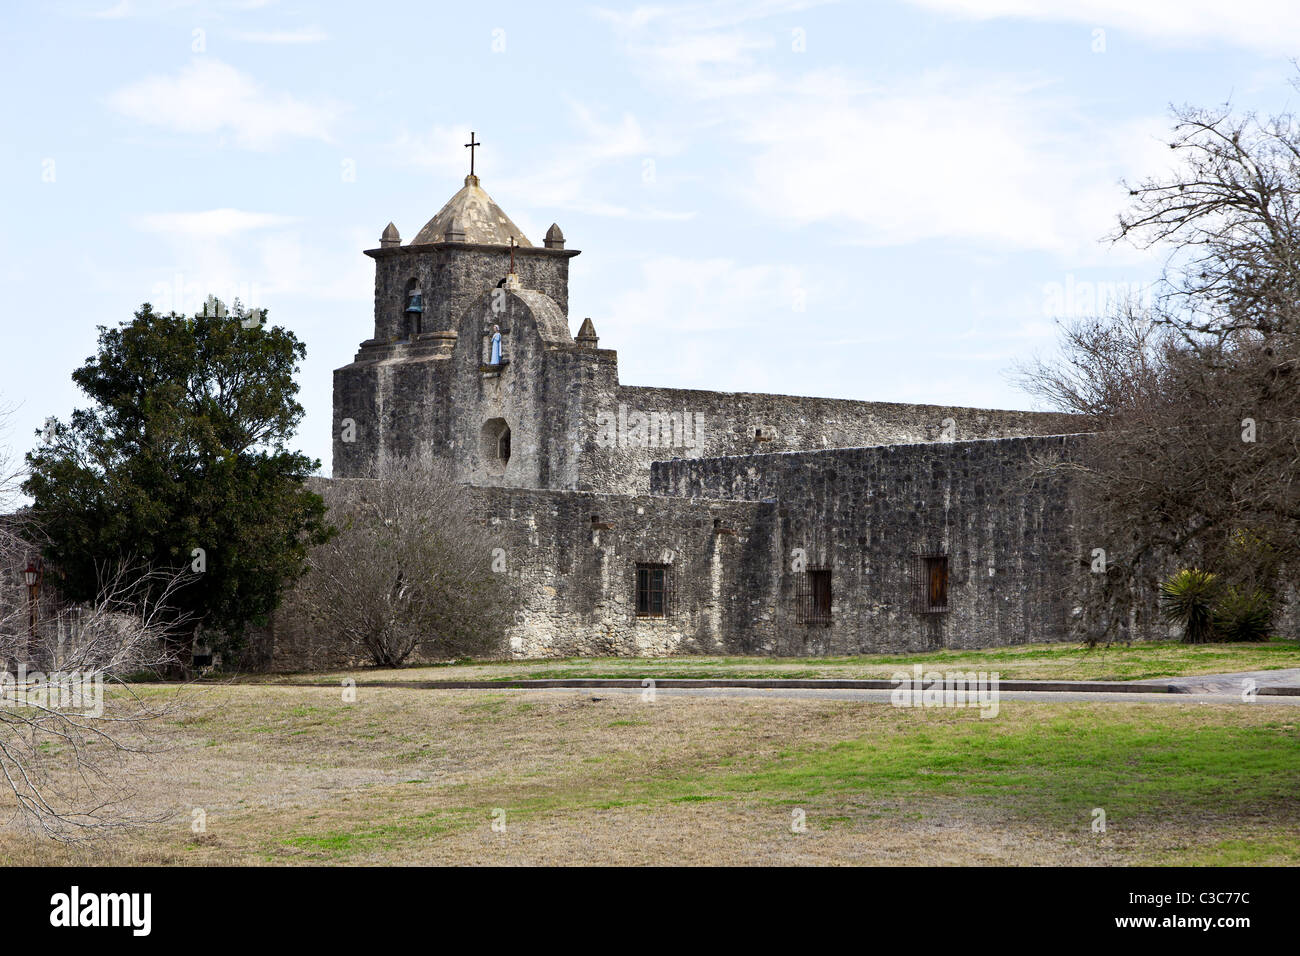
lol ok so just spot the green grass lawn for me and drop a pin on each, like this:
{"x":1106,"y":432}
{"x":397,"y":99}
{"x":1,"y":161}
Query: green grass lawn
{"x":1024,"y":662}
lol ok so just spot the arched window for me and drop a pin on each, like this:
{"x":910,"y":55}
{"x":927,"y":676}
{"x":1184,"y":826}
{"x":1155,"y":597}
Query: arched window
{"x":494,"y":445}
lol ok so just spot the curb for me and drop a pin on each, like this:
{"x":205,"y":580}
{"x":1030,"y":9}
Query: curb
{"x":1030,"y":686}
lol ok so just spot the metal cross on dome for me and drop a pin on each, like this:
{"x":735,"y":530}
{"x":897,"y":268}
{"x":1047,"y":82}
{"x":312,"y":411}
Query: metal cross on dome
{"x":471,"y":146}
{"x":513,"y":246}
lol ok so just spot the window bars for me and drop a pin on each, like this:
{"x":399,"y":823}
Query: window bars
{"x":654,"y":590}
{"x":930,"y":583}
{"x":813,"y":597}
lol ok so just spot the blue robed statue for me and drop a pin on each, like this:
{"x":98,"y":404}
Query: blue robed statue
{"x":496,"y":345}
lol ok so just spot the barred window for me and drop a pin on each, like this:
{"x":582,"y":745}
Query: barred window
{"x":930,"y":583}
{"x":652,"y":590}
{"x":813,"y":597}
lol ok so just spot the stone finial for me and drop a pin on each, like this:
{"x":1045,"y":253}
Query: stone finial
{"x":455,"y":230}
{"x":389,"y":237}
{"x":586,"y":336}
{"x":554,"y":238}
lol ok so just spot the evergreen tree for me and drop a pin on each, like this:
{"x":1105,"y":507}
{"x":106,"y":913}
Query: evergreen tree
{"x":183,"y":460}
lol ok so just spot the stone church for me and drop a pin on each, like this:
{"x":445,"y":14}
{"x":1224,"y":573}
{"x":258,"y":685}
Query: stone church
{"x":643,"y":521}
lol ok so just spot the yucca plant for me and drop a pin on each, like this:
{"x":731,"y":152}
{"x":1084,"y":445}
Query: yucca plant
{"x":1244,"y":614}
{"x":1188,"y":598}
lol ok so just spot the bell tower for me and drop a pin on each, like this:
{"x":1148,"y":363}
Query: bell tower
{"x":422,"y":287}
{"x":395,"y":396}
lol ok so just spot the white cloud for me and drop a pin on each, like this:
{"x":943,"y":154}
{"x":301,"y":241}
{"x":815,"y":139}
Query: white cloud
{"x":210,"y":223}
{"x":1004,"y":160}
{"x":709,"y":65}
{"x":947,"y":157}
{"x":705,"y":50}
{"x":159,"y":8}
{"x":263,"y":259}
{"x":1269,"y":26}
{"x":713,"y":15}
{"x":209,"y":96}
{"x":441,"y":149}
{"x":312,"y":34}
{"x":331,"y":270}
{"x":704,"y":294}
{"x":569,"y":180}
{"x":118,"y":11}
{"x":613,"y":140}
{"x":213,"y":255}
{"x":616,"y":157}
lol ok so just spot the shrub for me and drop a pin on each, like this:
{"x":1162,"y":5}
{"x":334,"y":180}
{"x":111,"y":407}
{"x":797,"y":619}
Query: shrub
{"x":1244,"y":614}
{"x":411,"y":569}
{"x":1188,"y":598}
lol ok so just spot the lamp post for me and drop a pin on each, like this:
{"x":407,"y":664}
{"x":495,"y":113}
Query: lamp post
{"x":33,"y":578}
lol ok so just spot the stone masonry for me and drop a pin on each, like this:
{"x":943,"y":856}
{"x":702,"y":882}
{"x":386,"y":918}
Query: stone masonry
{"x":772,"y":523}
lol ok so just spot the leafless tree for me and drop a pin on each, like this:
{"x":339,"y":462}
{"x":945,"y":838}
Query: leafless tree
{"x":68,"y":719}
{"x":1228,"y":216}
{"x":1193,"y":401}
{"x":412,"y":567}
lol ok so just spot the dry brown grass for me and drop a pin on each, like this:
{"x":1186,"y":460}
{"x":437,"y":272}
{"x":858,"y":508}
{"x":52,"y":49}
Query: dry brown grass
{"x":296,"y":776}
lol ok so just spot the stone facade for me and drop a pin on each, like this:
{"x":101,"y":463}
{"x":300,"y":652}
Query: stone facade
{"x":575,"y":555}
{"x":739,"y":423}
{"x":584,"y":478}
{"x":871,"y":516}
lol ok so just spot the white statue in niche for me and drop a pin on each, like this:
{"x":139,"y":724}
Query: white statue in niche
{"x":496,"y":345}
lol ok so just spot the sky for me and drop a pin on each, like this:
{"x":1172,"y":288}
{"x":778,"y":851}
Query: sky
{"x":890,"y":201}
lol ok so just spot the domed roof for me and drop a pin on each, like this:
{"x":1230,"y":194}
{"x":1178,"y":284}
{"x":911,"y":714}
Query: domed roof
{"x":477,"y":215}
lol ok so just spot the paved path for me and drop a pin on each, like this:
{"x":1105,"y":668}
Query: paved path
{"x":1276,"y":687}
{"x":1233,"y":683}
{"x":883,"y":696}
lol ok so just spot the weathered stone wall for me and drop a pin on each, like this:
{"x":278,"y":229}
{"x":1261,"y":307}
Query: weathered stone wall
{"x":395,"y":406}
{"x":426,"y":400}
{"x":398,"y":392}
{"x":733,"y":529}
{"x":865,"y":513}
{"x":574,"y":555}
{"x":527,"y":393}
{"x":740,"y":423}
